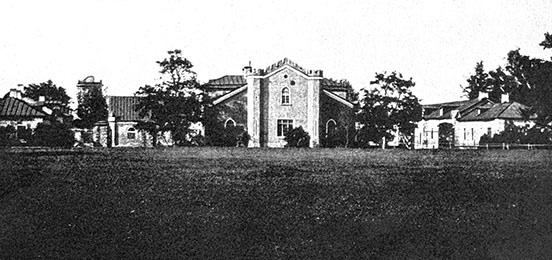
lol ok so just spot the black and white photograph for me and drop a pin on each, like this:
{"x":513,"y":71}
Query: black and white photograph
{"x":241,"y":129}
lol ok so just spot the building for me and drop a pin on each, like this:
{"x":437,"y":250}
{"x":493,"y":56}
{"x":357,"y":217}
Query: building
{"x":462,"y":123}
{"x":25,"y":114}
{"x":267,"y":103}
{"x":119,"y":128}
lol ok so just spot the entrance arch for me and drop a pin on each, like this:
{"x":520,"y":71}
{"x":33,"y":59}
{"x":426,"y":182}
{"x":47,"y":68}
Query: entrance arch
{"x":446,"y":135}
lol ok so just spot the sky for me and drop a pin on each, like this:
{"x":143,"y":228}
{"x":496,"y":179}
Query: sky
{"x":436,"y":43}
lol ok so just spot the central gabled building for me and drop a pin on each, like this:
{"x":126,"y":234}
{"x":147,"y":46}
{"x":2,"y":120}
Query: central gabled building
{"x":269,"y":102}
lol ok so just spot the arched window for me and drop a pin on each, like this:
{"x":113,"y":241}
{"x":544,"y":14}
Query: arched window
{"x":131,"y":133}
{"x":330,"y":126}
{"x":285,"y":96}
{"x":229,"y":123}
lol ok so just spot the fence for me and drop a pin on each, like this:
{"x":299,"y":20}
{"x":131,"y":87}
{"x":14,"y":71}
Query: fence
{"x":506,"y":146}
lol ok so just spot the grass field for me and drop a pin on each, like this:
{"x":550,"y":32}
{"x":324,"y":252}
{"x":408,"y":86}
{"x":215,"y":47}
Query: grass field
{"x":216,"y":203}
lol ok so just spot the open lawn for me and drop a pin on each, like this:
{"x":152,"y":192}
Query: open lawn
{"x":217,"y":203}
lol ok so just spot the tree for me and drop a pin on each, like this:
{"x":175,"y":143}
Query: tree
{"x":477,"y":82}
{"x":175,"y":103}
{"x":547,"y":43}
{"x":48,"y":90}
{"x":534,"y":77}
{"x":92,"y":107}
{"x":389,"y":106}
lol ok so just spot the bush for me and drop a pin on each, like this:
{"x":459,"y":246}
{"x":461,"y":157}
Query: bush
{"x":53,"y":135}
{"x":7,"y":136}
{"x":513,"y":134}
{"x":335,"y":138}
{"x":297,"y":137}
{"x":217,"y":135}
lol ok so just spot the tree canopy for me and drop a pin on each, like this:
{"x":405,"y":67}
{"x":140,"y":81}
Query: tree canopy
{"x":92,"y":107}
{"x":388,"y":107}
{"x":527,"y":80}
{"x":175,"y":103}
{"x":534,"y":82}
{"x":48,"y":90}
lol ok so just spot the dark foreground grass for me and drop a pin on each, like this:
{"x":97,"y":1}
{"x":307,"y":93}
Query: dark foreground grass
{"x":209,"y":203}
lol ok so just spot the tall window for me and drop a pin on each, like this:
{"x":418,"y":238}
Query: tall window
{"x":285,"y":96}
{"x":131,"y":133}
{"x":489,"y":131}
{"x":330,"y":126}
{"x":284,"y":125}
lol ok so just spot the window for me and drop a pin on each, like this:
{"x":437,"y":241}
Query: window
{"x":489,"y":131}
{"x":229,"y":123}
{"x":464,"y":133}
{"x":431,"y":133}
{"x":131,"y":133}
{"x":285,"y":96}
{"x":284,"y":125}
{"x":330,"y":126}
{"x":472,"y":133}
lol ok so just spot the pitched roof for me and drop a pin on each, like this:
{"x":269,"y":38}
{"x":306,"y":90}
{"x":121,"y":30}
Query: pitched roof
{"x":229,"y":95}
{"x":53,"y":104}
{"x":338,"y":98}
{"x":124,"y":107}
{"x":511,"y":110}
{"x":15,"y":108}
{"x":227,"y":82}
{"x":461,"y":106}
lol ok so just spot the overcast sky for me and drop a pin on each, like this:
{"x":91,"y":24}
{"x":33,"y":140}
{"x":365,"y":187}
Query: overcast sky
{"x":437,"y":43}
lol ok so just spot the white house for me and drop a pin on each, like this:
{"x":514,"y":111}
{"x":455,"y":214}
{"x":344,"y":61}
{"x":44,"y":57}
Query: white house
{"x":462,"y":123}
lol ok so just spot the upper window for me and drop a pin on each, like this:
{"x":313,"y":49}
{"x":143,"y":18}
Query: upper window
{"x":131,"y":133}
{"x":284,"y":125}
{"x":285,"y":96}
{"x":229,"y":123}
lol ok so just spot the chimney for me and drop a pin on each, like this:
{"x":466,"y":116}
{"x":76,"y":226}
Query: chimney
{"x":505,"y":98}
{"x":41,"y":98}
{"x":247,"y":69}
{"x":454,"y":113}
{"x":483,"y":95}
{"x":15,"y":93}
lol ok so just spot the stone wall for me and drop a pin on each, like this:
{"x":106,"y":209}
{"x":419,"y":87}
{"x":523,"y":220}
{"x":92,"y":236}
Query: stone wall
{"x":273,"y":109}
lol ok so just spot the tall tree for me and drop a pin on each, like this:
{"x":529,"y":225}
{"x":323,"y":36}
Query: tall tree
{"x":477,"y":82}
{"x":175,"y":103}
{"x":535,"y":82}
{"x":92,"y":107}
{"x":388,"y":107}
{"x":48,"y":90}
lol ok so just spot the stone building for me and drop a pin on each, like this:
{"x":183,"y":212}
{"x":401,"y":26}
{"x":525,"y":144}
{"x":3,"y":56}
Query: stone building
{"x":462,"y":123}
{"x":269,"y":102}
{"x":119,"y":128}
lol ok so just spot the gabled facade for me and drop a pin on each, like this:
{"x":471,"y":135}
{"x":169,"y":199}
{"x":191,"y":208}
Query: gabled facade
{"x":462,"y":123}
{"x":269,"y":102}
